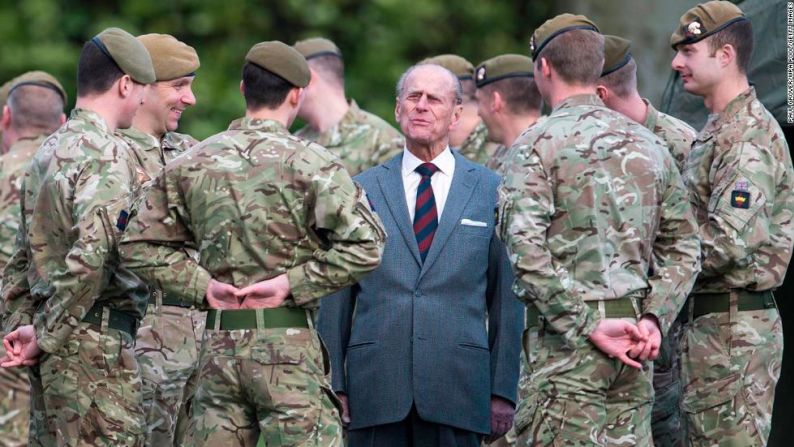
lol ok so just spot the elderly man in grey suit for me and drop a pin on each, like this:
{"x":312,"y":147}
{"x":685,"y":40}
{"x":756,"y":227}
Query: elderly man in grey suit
{"x":425,"y":349}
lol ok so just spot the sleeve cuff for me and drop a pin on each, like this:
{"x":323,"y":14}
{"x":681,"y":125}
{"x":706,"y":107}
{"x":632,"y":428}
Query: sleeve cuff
{"x":201,"y":282}
{"x":299,"y":286}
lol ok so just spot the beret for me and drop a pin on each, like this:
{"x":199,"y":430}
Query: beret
{"x":281,"y":59}
{"x":39,"y":78}
{"x":459,"y":66}
{"x":616,"y":54}
{"x":317,"y":47}
{"x":554,"y":27}
{"x":501,"y":67}
{"x":704,"y":20}
{"x":127,"y":52}
{"x":171,"y":58}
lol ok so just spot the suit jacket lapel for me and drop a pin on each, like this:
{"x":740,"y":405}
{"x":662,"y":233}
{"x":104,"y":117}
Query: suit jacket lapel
{"x":391,"y":185}
{"x":463,"y":182}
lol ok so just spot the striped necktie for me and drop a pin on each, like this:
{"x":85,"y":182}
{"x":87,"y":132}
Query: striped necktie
{"x":426,"y":216}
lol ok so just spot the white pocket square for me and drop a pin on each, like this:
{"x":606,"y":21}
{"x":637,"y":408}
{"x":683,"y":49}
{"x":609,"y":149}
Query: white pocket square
{"x":473,"y":223}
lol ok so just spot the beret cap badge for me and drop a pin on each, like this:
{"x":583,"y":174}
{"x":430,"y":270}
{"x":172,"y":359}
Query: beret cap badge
{"x":481,"y":73}
{"x":693,"y":29}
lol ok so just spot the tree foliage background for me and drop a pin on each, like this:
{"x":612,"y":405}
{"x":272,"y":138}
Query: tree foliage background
{"x":379,"y":39}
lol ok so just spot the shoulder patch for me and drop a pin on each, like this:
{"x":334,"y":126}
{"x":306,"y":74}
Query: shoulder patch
{"x":740,"y":199}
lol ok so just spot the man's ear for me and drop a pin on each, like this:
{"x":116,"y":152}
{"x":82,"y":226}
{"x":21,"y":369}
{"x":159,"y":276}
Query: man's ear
{"x":602,"y":92}
{"x":726,"y":55}
{"x":497,"y":102}
{"x":545,"y":68}
{"x":5,"y":118}
{"x":295,"y":96}
{"x":242,"y":88}
{"x":62,"y":118}
{"x":397,"y":109}
{"x":125,"y":84}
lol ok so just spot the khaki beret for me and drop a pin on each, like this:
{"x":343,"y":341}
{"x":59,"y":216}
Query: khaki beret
{"x":501,"y":67}
{"x":616,"y":54}
{"x":554,"y":27}
{"x":171,"y":58}
{"x":36,"y":77}
{"x":281,"y":59}
{"x":317,"y":47}
{"x":459,"y":66}
{"x":704,"y":20}
{"x":127,"y":52}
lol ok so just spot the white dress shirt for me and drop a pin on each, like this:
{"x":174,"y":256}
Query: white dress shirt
{"x":440,"y":182}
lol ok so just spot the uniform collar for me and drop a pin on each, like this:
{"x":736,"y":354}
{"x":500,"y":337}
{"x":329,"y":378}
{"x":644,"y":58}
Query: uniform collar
{"x":589,"y":99}
{"x":90,"y":117}
{"x":651,"y":115}
{"x":267,"y":125}
{"x":142,"y":139}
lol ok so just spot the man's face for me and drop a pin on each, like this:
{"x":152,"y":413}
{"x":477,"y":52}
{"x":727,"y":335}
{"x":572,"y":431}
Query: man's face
{"x":165,"y":102}
{"x":426,"y":109}
{"x":699,"y":70}
{"x":484,"y":105}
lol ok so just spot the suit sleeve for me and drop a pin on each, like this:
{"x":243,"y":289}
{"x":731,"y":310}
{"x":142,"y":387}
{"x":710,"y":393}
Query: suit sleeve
{"x":334,"y":322}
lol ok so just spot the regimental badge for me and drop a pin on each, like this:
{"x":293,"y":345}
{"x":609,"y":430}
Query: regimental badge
{"x":740,"y":199}
{"x":694,"y":29}
{"x":742,"y":185}
{"x":532,"y":45}
{"x":481,"y":73}
{"x":121,"y":223}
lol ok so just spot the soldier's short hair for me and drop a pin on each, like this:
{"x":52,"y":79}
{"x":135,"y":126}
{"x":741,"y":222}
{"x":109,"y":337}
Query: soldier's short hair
{"x":520,"y":94}
{"x":263,"y":88}
{"x":740,"y":36}
{"x":330,"y":67}
{"x":35,"y":108}
{"x":623,"y":81}
{"x":576,"y":55}
{"x":96,"y":72}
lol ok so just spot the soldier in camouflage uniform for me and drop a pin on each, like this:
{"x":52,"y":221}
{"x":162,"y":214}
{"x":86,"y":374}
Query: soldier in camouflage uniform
{"x":508,"y":101}
{"x":169,"y":337}
{"x":591,"y":204}
{"x":470,"y":136}
{"x":617,"y":88}
{"x":34,"y":110}
{"x":67,"y":295}
{"x":281,"y":222}
{"x":360,"y":139}
{"x":741,"y":186}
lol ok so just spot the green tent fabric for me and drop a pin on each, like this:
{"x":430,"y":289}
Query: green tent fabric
{"x":767,"y":67}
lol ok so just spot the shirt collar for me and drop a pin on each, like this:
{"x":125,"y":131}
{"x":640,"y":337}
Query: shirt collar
{"x":445,"y":162}
{"x":585,"y":99}
{"x":651,"y":115}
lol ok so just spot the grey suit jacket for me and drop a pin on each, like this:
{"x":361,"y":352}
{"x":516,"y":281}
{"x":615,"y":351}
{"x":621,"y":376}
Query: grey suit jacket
{"x":445,"y":334}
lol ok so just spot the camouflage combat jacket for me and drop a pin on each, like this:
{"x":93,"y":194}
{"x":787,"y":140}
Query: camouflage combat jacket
{"x":502,"y":155}
{"x":76,"y":199}
{"x":152,"y":154}
{"x":741,"y":186}
{"x":255,"y":202}
{"x":677,"y":134}
{"x":476,"y":146}
{"x":361,"y":140}
{"x":589,"y":206}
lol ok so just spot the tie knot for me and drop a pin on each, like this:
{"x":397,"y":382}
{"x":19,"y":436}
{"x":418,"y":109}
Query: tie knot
{"x":427,"y":169}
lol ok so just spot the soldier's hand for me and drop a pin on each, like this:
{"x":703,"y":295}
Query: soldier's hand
{"x":502,"y":412}
{"x":649,"y":328}
{"x":22,"y":348}
{"x":345,"y":408}
{"x":265,"y":294}
{"x":222,"y":296}
{"x":616,"y":337}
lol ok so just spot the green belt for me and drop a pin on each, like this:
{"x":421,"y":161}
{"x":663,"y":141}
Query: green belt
{"x":709,"y":303}
{"x":121,"y":321}
{"x":246,"y":318}
{"x":616,"y":308}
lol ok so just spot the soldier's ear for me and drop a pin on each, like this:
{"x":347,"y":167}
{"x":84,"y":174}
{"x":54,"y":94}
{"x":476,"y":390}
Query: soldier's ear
{"x":242,"y":88}
{"x":726,"y":55}
{"x":5,"y":118}
{"x":602,"y":93}
{"x":125,"y":86}
{"x":62,"y":118}
{"x":497,"y":102}
{"x":545,"y":68}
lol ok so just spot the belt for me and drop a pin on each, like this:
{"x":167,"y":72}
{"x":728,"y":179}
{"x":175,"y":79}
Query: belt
{"x":121,"y":321}
{"x":168,"y":300}
{"x":709,"y":303}
{"x":231,"y":320}
{"x":615,"y":308}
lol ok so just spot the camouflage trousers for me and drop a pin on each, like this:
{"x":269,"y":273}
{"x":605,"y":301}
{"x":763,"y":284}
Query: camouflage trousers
{"x":268,"y":381}
{"x":581,"y":397}
{"x":14,"y":405}
{"x":668,"y":422}
{"x":167,"y":348}
{"x":92,"y":390}
{"x":730,"y":366}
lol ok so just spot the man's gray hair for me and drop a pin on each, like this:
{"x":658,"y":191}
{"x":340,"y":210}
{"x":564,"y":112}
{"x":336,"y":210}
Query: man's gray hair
{"x":458,"y":88}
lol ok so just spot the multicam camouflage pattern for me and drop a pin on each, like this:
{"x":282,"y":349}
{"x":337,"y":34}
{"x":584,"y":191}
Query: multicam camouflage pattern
{"x":169,"y":337}
{"x":567,"y":391}
{"x":93,"y":390}
{"x":14,"y":405}
{"x":589,"y":206}
{"x":268,"y":381}
{"x":677,"y":134}
{"x":502,"y":155}
{"x":361,"y":140}
{"x":742,"y":150}
{"x":476,"y":147}
{"x":730,"y":387}
{"x":255,"y":202}
{"x":734,"y":364}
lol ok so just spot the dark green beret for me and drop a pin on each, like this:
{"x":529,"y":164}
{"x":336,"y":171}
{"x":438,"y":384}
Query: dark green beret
{"x":704,"y":20}
{"x":127,"y":52}
{"x":281,"y":59}
{"x":171,"y":58}
{"x":501,"y":67}
{"x":554,"y":27}
{"x":616,"y":54}
{"x":39,"y":78}
{"x":459,"y":66}
{"x":317,"y":47}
